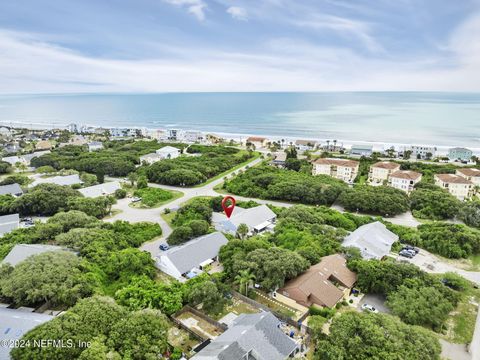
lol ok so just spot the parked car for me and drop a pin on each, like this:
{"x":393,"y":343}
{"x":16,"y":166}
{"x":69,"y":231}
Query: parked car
{"x":411,"y":248}
{"x":368,"y":307}
{"x":136,"y":199}
{"x":406,"y":253}
{"x":164,"y":247}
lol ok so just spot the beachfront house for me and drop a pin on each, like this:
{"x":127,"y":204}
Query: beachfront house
{"x":105,"y":189}
{"x":460,"y":154}
{"x":251,"y":337}
{"x":214,"y":139}
{"x":11,"y":189}
{"x":324,"y":284}
{"x":257,"y":141}
{"x":9,"y":223}
{"x":190,"y":259}
{"x":373,"y":240}
{"x":305,"y":145}
{"x":457,"y":185}
{"x":471,"y":174}
{"x":380,"y":172}
{"x":193,"y":136}
{"x":258,"y":219}
{"x":345,"y":170}
{"x":404,"y":180}
{"x":361,"y":150}
{"x":421,"y":152}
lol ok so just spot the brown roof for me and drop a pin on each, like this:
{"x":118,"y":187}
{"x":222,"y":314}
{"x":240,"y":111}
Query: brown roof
{"x":305,"y":142}
{"x":453,"y":179}
{"x":406,"y":174}
{"x":338,"y":162}
{"x":315,"y":286}
{"x":469,"y":172}
{"x":256,"y":138}
{"x":386,"y":165}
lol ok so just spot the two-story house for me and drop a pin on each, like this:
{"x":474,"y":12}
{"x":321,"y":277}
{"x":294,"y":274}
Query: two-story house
{"x":345,"y":170}
{"x":380,"y":172}
{"x":456,"y":185}
{"x":404,"y":180}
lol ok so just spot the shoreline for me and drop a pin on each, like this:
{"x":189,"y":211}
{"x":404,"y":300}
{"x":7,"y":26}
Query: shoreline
{"x":347,"y":143}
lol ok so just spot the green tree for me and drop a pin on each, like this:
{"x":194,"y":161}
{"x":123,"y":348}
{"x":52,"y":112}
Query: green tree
{"x":142,"y":182}
{"x":242,"y":231}
{"x":470,"y":213}
{"x":431,"y":202}
{"x":244,"y":279}
{"x":207,"y":294}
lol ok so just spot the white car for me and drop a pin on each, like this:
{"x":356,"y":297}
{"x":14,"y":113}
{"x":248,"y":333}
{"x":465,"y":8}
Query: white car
{"x":367,"y":307}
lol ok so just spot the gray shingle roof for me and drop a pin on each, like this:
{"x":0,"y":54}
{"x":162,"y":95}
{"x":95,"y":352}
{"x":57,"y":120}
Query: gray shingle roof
{"x":15,"y":323}
{"x":191,"y":254}
{"x":22,"y":251}
{"x":58,"y":180}
{"x":8,"y":223}
{"x":254,"y":334}
{"x":251,"y":217}
{"x":12,"y":189}
{"x":107,"y":188}
{"x":374,"y":240}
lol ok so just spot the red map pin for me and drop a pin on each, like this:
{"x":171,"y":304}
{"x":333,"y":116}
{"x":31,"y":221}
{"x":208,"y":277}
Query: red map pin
{"x":228,"y":207}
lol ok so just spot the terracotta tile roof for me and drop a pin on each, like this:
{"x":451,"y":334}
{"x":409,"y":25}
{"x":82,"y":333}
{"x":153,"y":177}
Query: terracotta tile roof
{"x":386,"y":165}
{"x":256,"y":138}
{"x":406,"y":174}
{"x":338,"y":162}
{"x":453,"y":179}
{"x":315,"y":286}
{"x":470,"y":172}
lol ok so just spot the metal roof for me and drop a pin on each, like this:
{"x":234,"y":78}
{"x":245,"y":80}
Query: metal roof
{"x":22,"y":251}
{"x":107,"y":188}
{"x":8,"y":223}
{"x":12,"y":189}
{"x":58,"y":180}
{"x":257,"y":335}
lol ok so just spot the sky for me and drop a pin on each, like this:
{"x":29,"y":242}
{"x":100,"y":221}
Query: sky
{"x":92,"y":46}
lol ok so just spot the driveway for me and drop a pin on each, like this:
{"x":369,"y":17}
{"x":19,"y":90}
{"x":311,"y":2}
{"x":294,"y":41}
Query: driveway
{"x":377,"y":301}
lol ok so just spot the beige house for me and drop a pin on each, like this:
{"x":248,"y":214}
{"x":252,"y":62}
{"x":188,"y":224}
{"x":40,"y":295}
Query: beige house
{"x":380,"y":172}
{"x":323,"y":284}
{"x":456,"y":185}
{"x":345,"y":170}
{"x":471,"y":174}
{"x":404,"y":180}
{"x":258,"y":141}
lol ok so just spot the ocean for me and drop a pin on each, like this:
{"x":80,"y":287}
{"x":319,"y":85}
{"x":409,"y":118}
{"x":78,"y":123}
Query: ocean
{"x":446,"y":119}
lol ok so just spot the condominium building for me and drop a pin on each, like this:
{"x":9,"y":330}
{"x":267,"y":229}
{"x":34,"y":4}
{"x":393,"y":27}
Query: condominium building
{"x":345,"y":170}
{"x":422,"y":151}
{"x":456,"y":185}
{"x":461,"y":154}
{"x":404,"y":180}
{"x":471,"y":174}
{"x":380,"y":172}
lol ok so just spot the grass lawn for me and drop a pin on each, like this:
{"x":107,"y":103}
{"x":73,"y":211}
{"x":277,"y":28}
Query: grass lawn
{"x":273,"y":304}
{"x":181,"y":339}
{"x":475,"y":260}
{"x":256,"y":155}
{"x":155,"y":198}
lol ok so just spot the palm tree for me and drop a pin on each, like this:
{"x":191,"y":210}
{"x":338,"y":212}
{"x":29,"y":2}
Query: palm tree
{"x":244,"y":278}
{"x":242,"y":231}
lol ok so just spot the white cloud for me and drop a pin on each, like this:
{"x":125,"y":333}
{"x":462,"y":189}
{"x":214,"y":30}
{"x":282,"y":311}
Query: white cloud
{"x":238,"y":13}
{"x":194,"y":7}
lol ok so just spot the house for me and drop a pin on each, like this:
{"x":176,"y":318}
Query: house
{"x":250,"y":337}
{"x":24,"y":159}
{"x":257,"y":219}
{"x":122,"y":132}
{"x":373,"y":240}
{"x":323,"y":284}
{"x":43,"y":145}
{"x":5,"y":132}
{"x":457,"y":185}
{"x":22,"y":251}
{"x":11,"y":189}
{"x":150,"y":158}
{"x":104,"y":189}
{"x":173,"y":134}
{"x":404,"y":180}
{"x":95,"y":146}
{"x":187,"y":260}
{"x":77,"y":140}
{"x":345,"y":170}
{"x":380,"y":172}
{"x":14,"y":323}
{"x":361,"y":150}
{"x":157,"y":134}
{"x":168,"y":152}
{"x":460,"y":154}
{"x":66,"y":180}
{"x":279,"y":159}
{"x":192,"y":136}
{"x":422,"y":151}
{"x":9,"y":223}
{"x":257,"y":141}
{"x":214,"y":139}
{"x":305,"y":145}
{"x":28,"y":157}
{"x":471,"y":174}
{"x":12,"y":148}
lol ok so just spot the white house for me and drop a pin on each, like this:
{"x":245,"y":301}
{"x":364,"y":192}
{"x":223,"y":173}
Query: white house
{"x":422,"y":151}
{"x":9,"y":223}
{"x":345,"y":170}
{"x":189,"y":259}
{"x":168,"y":152}
{"x":257,"y":219}
{"x":361,"y":150}
{"x":471,"y":174}
{"x":404,"y":180}
{"x":373,"y":240}
{"x":104,"y":189}
{"x":380,"y":172}
{"x":456,"y":185}
{"x":305,"y":145}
